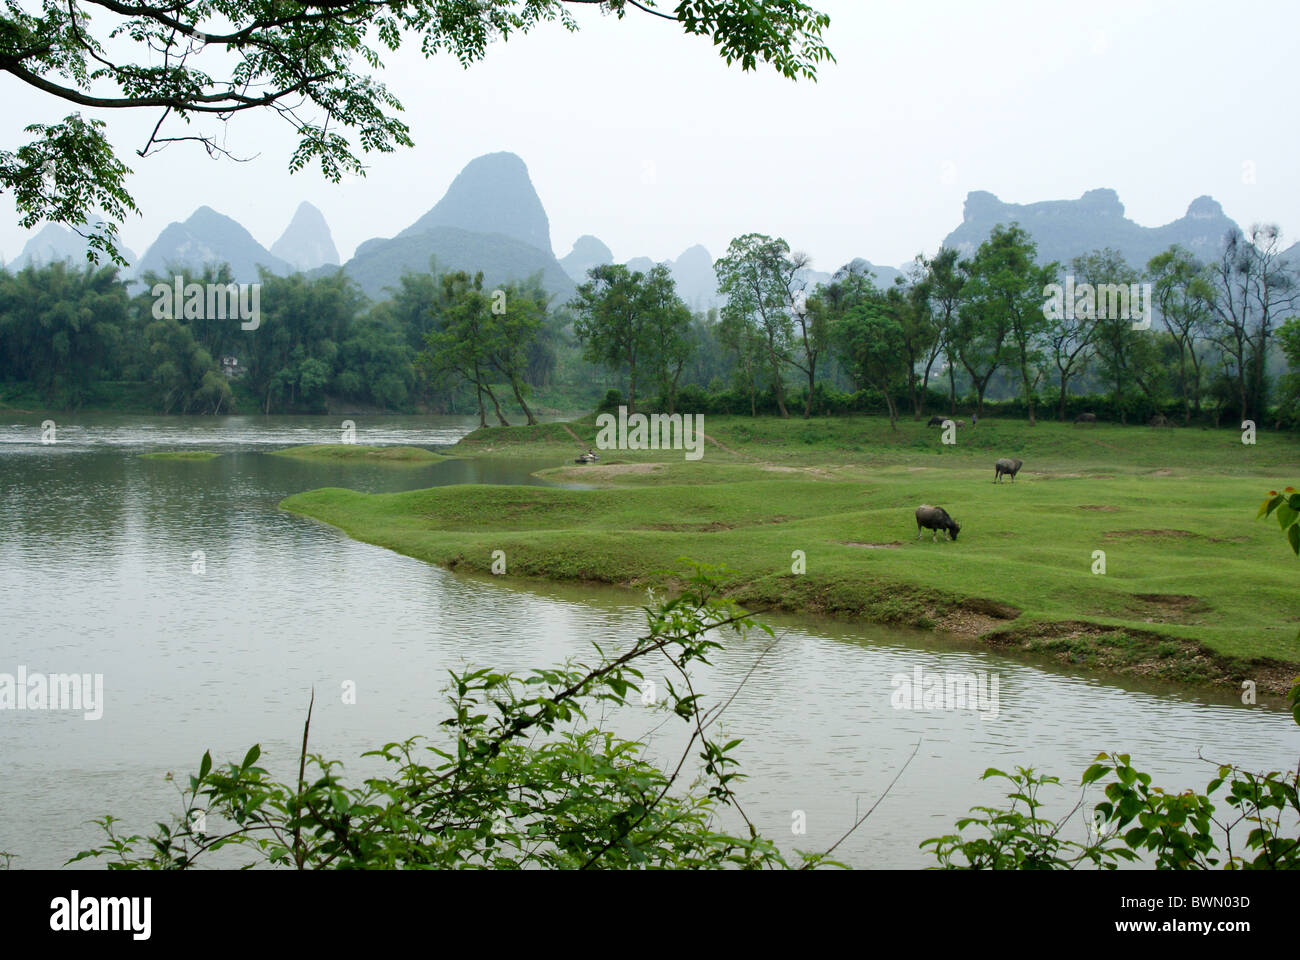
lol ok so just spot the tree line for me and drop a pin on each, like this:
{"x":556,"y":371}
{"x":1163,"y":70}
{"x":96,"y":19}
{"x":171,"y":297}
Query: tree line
{"x":1177,"y":331}
{"x":440,"y":342}
{"x":1222,"y":341}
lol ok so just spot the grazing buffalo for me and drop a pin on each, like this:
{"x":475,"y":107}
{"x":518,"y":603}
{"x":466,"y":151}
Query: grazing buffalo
{"x":936,"y":421}
{"x":936,"y":519}
{"x":1086,"y":418}
{"x":1008,"y":465}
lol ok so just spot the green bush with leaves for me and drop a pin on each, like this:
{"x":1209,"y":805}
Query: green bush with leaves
{"x":1135,"y":822}
{"x":1286,"y":507}
{"x":523,"y":778}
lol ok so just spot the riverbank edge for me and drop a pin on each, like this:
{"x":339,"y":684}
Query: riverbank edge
{"x":1095,"y":648}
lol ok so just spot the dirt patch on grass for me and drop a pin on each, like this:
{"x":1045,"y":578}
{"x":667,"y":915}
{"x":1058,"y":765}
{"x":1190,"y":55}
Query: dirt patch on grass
{"x":817,"y":472}
{"x":714,"y":527}
{"x":1126,"y":534}
{"x":1177,"y":601}
{"x":613,"y":469}
{"x":1098,"y":506}
{"x":873,"y":546}
{"x":1168,"y":607}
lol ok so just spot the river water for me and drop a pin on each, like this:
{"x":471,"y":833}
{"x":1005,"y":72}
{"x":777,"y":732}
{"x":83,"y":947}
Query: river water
{"x":98,"y":551}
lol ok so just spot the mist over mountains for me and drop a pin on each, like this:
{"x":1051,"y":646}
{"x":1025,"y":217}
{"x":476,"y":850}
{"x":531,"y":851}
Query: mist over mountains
{"x":491,"y":219}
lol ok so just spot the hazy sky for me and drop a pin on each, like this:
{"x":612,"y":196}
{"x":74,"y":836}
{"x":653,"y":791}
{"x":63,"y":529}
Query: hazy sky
{"x":645,"y":138}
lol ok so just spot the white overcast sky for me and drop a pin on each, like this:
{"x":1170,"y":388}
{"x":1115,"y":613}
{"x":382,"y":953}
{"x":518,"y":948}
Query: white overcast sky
{"x":645,"y":138}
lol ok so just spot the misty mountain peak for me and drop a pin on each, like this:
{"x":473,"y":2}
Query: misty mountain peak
{"x":209,"y":237}
{"x":306,"y":243}
{"x":1204,"y":208}
{"x":1103,"y":201}
{"x":587,"y":252}
{"x":493,"y":194}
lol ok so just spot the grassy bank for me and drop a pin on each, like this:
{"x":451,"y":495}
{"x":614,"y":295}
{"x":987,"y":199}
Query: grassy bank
{"x":360,"y":453}
{"x":188,"y":455}
{"x":1195,"y":589}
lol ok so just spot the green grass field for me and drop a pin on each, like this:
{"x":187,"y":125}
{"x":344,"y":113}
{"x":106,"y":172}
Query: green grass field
{"x":1195,"y":588}
{"x":360,"y":453}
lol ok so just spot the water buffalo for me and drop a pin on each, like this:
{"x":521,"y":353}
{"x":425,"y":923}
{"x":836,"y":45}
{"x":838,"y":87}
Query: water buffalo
{"x":936,"y":421}
{"x":936,"y":519}
{"x":1008,"y":465}
{"x":1086,"y":418}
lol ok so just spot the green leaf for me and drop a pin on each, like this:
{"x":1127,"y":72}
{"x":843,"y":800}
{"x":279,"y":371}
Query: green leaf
{"x":205,"y":765}
{"x":250,"y":758}
{"x":1267,"y":506}
{"x":1095,"y":773}
{"x":1293,"y":534}
{"x":1285,"y":515}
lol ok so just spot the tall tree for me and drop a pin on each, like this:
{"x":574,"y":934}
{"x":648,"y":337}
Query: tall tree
{"x":462,"y":344}
{"x":515,"y":321}
{"x":868,"y":335}
{"x":920,"y":334}
{"x":611,"y":321}
{"x":669,"y":334}
{"x":1006,"y":291}
{"x":763,"y":284}
{"x":1119,"y":348}
{"x":1254,"y":291}
{"x":945,"y":284}
{"x":980,"y":334}
{"x":1182,"y":296}
{"x":1070,"y":340}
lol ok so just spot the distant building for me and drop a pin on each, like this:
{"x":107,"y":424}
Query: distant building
{"x":230,"y":367}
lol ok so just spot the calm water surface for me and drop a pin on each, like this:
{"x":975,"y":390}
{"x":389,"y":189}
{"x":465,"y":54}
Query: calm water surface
{"x":96,"y":555}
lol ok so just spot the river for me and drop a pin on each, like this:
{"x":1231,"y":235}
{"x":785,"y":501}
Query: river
{"x":98,"y":552}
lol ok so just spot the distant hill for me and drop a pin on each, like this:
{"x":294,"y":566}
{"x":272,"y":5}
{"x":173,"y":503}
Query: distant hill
{"x":692,"y":272}
{"x":490,"y":219}
{"x":210,"y":237}
{"x":882,"y":277}
{"x":380,"y":263}
{"x":587,"y":252}
{"x":55,"y":242}
{"x":306,"y":243}
{"x":1064,"y":229}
